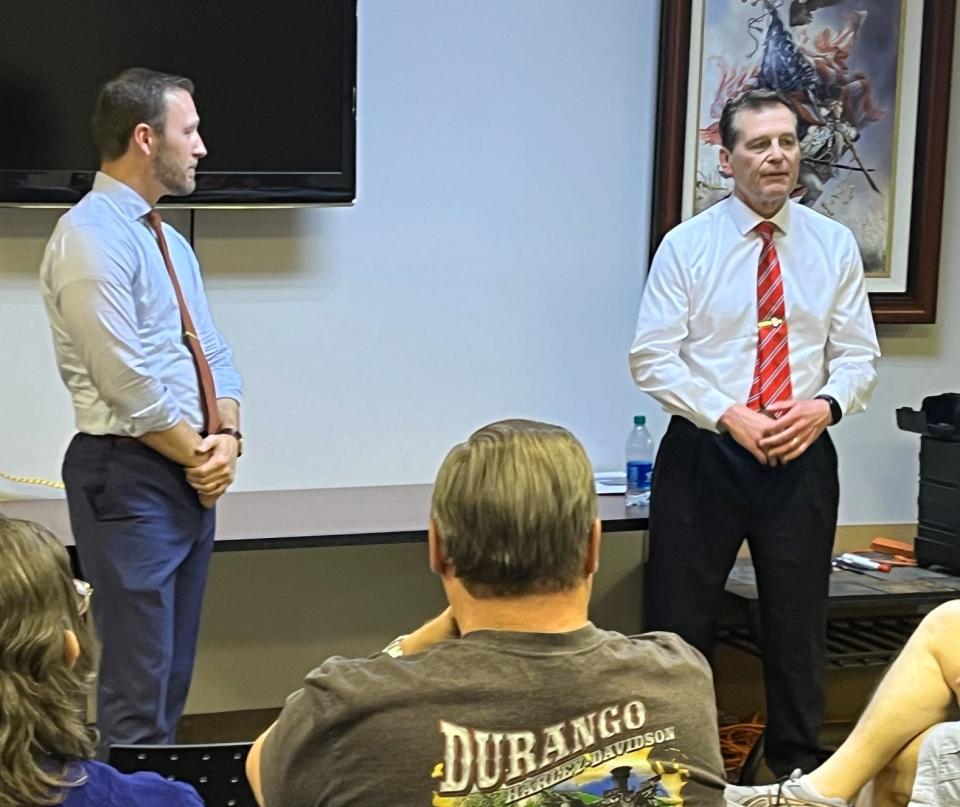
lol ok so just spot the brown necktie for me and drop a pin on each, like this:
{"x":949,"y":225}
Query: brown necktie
{"x":771,"y":377}
{"x":208,"y":395}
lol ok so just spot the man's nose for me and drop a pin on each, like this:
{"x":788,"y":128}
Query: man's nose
{"x":200,"y":150}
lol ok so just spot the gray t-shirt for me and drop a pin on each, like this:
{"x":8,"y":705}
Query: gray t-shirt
{"x":498,"y":717}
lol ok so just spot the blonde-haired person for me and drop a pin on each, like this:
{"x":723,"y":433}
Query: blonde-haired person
{"x":45,"y":665}
{"x":511,"y":695}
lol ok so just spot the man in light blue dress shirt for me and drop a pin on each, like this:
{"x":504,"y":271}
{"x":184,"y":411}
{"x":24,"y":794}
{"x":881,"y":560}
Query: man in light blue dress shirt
{"x":142,"y":476}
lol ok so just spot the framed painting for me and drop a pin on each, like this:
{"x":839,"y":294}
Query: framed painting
{"x":870,"y":82}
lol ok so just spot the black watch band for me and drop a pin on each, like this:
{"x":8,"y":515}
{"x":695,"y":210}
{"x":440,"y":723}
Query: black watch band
{"x":836,"y":413}
{"x":235,"y":433}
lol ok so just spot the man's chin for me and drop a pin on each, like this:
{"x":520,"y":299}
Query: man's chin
{"x":181,"y":190}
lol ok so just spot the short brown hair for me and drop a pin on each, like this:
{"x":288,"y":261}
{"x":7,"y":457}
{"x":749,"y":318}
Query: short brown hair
{"x":136,"y":96}
{"x":751,"y":99}
{"x":513,"y":507}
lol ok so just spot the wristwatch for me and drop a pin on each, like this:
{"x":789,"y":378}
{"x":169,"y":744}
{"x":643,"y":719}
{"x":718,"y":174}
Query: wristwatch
{"x":234,"y":433}
{"x":835,"y":411}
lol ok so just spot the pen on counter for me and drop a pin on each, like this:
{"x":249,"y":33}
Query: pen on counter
{"x":866,"y":564}
{"x":838,"y":564}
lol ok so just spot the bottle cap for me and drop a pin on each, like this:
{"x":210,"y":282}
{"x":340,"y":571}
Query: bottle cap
{"x":639,"y":420}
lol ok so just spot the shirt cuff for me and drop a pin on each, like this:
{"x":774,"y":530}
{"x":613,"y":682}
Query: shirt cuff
{"x":227,"y":385}
{"x":711,"y":410}
{"x":837,"y":395}
{"x":158,"y":417}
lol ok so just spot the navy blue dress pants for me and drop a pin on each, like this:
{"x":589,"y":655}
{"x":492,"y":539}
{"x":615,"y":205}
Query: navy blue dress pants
{"x":709,"y":494}
{"x":144,"y":543}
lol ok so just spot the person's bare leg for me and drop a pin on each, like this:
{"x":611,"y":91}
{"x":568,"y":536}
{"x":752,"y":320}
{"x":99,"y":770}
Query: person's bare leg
{"x":892,"y":786}
{"x":917,"y":692}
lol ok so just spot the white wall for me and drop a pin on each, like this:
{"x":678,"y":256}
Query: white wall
{"x":491,"y":267}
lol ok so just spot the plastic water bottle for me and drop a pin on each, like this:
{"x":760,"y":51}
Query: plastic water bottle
{"x":639,"y":462}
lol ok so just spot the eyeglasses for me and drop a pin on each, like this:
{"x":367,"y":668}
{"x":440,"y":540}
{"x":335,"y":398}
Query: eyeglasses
{"x":84,"y":592}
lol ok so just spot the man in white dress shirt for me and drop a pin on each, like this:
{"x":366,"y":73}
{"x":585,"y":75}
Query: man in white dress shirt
{"x":755,"y":340}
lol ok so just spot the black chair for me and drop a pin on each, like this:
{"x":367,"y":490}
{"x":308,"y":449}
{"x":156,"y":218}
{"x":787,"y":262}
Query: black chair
{"x":216,"y":770}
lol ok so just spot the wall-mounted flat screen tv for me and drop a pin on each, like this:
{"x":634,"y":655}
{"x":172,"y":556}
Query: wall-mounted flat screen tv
{"x":275,"y":89}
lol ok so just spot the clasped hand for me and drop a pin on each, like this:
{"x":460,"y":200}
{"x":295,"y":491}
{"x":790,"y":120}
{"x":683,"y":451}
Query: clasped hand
{"x":776,"y":439}
{"x":217,"y":455}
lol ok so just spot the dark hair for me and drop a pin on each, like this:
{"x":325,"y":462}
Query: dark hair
{"x":513,"y":507}
{"x":135,"y":96}
{"x":751,"y":99}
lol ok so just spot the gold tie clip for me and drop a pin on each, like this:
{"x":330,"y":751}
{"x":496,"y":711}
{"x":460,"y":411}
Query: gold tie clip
{"x":773,"y":322}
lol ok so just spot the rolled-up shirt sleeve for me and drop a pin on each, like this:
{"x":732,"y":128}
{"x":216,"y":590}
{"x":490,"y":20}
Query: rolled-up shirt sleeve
{"x":98,"y":312}
{"x":226,"y":379}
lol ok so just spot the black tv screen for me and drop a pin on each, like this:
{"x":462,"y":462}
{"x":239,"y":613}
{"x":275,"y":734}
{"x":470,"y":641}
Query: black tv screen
{"x":275,"y":89}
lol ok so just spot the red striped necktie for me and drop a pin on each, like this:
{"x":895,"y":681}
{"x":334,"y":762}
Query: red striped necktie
{"x":771,"y":377}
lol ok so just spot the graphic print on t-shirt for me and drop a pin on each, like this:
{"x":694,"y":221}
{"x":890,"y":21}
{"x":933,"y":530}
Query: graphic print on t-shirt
{"x":599,"y":758}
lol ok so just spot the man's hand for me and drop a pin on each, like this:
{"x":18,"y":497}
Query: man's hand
{"x":437,"y":630}
{"x":208,"y":501}
{"x":748,"y":428}
{"x":801,"y":423}
{"x":217,"y":458}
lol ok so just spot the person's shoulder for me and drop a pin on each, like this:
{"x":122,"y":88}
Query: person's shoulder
{"x":105,"y":786}
{"x":818,"y":222}
{"x":695,"y":232}
{"x":340,"y":679}
{"x":93,"y":221}
{"x":664,"y":649}
{"x":93,"y":209}
{"x":702,"y":220}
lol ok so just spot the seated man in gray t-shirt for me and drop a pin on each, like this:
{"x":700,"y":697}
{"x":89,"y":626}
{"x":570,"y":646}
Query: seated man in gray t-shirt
{"x":510,"y":696}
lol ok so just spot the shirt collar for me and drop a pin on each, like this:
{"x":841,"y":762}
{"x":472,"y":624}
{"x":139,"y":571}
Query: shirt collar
{"x":745,"y":219}
{"x":127,"y":200}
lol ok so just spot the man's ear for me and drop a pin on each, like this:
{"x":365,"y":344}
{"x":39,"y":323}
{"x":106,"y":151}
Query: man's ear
{"x":593,"y":548}
{"x":143,"y":139}
{"x":438,"y":561}
{"x":725,"y":168}
{"x":71,"y":647}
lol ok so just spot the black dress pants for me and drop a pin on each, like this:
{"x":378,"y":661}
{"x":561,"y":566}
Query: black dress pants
{"x":709,"y":494}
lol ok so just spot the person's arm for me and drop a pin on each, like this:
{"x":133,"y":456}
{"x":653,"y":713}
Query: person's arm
{"x":216,"y":470}
{"x":437,"y":630}
{"x":98,"y":313}
{"x":102,"y":329}
{"x":179,"y":443}
{"x":662,"y":326}
{"x":253,"y":766}
{"x":216,"y":464}
{"x":852,"y":349}
{"x":226,"y":379}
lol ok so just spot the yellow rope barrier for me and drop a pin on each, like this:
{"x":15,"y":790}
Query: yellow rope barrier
{"x":33,"y":480}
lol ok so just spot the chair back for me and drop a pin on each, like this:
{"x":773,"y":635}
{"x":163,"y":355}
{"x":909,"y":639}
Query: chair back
{"x":216,"y":770}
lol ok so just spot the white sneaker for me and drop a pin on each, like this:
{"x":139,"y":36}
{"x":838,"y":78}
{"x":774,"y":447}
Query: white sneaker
{"x":793,"y":792}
